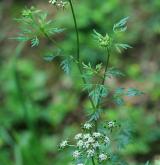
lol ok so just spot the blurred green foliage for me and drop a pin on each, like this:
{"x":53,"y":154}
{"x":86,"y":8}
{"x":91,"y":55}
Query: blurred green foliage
{"x":49,"y":107}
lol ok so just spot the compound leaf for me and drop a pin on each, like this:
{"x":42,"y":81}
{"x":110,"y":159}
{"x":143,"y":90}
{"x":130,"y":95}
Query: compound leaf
{"x":121,"y":25}
{"x":119,"y":47}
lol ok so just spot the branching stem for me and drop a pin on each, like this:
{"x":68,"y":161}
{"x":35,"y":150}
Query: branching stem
{"x":78,"y":50}
{"x":79,"y":64}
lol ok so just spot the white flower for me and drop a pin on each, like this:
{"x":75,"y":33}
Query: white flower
{"x":76,"y":154}
{"x":103,"y":157}
{"x":80,"y":143}
{"x":58,"y":3}
{"x":80,"y":164}
{"x":96,"y":145}
{"x":90,"y":153}
{"x":63,"y":144}
{"x":111,"y":124}
{"x":90,"y":140}
{"x":87,"y":126}
{"x":106,"y":140}
{"x":86,"y":136}
{"x":86,"y":144}
{"x":52,"y":1}
{"x":96,"y":134}
{"x":78,"y":136}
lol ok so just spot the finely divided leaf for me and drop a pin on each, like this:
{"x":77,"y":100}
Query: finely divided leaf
{"x":121,"y":25}
{"x":20,"y":38}
{"x":119,"y":91}
{"x":66,"y":65}
{"x":96,"y":115}
{"x":88,"y":87}
{"x":122,"y":46}
{"x":51,"y":55}
{"x":119,"y":101}
{"x":118,"y":96}
{"x":133,"y":92}
{"x":97,"y":92}
{"x":34,"y":42}
{"x":96,"y":34}
{"x":113,"y":72}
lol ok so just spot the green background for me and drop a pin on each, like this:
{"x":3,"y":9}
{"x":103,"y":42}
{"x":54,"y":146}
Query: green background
{"x":52,"y":106}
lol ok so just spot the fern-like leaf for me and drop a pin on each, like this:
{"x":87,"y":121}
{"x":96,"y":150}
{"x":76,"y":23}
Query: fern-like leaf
{"x":121,"y":25}
{"x":119,"y":47}
{"x":66,"y":65}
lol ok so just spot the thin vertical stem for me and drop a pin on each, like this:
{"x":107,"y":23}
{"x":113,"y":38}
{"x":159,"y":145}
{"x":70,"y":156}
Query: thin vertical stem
{"x":103,"y":81}
{"x":76,"y":29}
{"x":104,"y":76}
{"x":78,"y":50}
{"x":93,"y":162}
{"x":78,"y":59}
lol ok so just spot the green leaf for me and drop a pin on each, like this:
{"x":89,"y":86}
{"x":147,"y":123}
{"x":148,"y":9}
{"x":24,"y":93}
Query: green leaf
{"x":53,"y":30}
{"x":122,"y":46}
{"x":121,"y":25}
{"x":96,"y":115}
{"x":133,"y":92}
{"x":88,"y":87}
{"x":51,"y":55}
{"x":113,"y":72}
{"x":117,"y":96}
{"x":34,"y":42}
{"x":96,"y":35}
{"x":20,"y":38}
{"x":97,"y":92}
{"x":119,"y":91}
{"x":66,"y":65}
{"x":119,"y":101}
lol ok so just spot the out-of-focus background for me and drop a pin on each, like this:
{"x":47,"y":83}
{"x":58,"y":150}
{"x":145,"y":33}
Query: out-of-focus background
{"x":52,"y":107}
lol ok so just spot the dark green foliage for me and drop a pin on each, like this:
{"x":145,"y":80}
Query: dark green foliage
{"x":38,"y":84}
{"x":98,"y":91}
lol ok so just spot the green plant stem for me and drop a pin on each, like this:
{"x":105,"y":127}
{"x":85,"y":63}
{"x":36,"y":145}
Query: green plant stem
{"x":93,"y":162}
{"x":78,"y":59}
{"x":78,"y":50}
{"x":104,"y":77}
{"x":76,"y":29}
{"x":102,"y":83}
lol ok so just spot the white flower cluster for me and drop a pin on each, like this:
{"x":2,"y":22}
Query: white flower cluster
{"x":88,"y":143}
{"x":87,"y":126}
{"x":63,"y":144}
{"x":111,"y":124}
{"x":58,"y":3}
{"x":103,"y":157}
